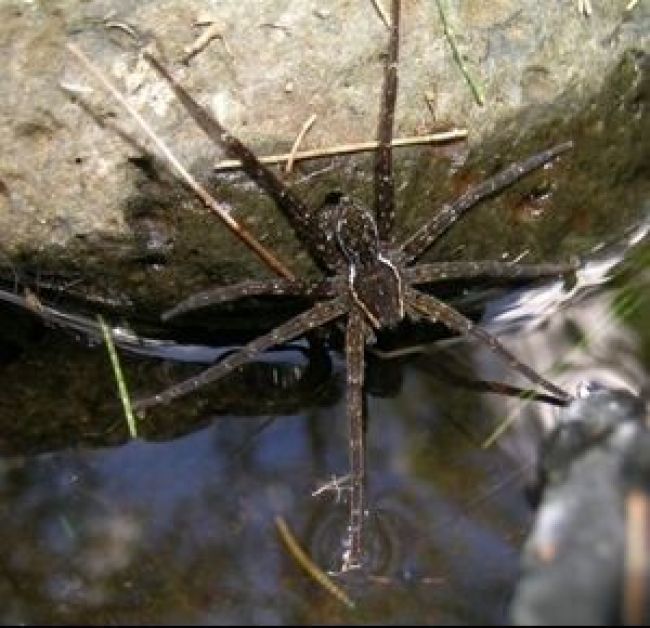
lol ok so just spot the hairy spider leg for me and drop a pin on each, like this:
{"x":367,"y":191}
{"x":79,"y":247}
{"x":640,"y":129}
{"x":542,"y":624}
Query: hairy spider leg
{"x":224,"y":294}
{"x":321,"y":313}
{"x":415,"y":245}
{"x":356,"y":332}
{"x":355,"y":342}
{"x":384,"y":184}
{"x":299,"y":215}
{"x":444,"y":271}
{"x":435,"y":310}
{"x":442,"y":371}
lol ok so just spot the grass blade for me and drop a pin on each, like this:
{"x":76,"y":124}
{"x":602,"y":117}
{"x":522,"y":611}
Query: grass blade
{"x":119,"y":377}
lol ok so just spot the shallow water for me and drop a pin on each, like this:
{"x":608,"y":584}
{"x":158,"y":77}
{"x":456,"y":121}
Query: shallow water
{"x":178,"y":526}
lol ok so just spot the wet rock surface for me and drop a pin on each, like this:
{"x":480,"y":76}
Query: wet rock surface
{"x":82,"y":196}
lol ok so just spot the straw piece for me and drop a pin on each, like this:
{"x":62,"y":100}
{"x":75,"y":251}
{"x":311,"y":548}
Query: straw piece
{"x":308,"y":565}
{"x":296,"y":145}
{"x":344,"y":149}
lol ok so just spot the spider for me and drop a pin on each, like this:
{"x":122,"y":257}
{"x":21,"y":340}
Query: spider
{"x":368,"y":279}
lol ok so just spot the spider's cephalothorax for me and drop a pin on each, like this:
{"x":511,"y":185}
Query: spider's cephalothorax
{"x":373,"y":280}
{"x":368,"y":280}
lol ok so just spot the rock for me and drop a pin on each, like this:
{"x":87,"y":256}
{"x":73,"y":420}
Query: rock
{"x":81,"y":195}
{"x":576,"y":567}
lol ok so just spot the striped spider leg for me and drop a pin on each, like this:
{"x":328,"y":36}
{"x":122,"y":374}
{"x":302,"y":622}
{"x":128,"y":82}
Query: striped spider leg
{"x":368,"y":279}
{"x":301,"y":217}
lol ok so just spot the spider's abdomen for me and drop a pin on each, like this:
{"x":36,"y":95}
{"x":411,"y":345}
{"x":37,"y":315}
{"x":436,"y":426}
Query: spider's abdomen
{"x":377,"y":289}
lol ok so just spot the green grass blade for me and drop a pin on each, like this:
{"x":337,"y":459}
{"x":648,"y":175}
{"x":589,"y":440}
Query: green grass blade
{"x":119,"y":377}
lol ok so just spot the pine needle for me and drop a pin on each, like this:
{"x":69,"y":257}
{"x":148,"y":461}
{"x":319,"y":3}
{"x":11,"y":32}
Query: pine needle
{"x":308,"y":564}
{"x":119,"y":377}
{"x":451,"y":38}
{"x":296,"y":145}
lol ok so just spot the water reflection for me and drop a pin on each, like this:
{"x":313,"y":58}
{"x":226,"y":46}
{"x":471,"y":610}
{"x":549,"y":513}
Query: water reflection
{"x":182,"y":530}
{"x":146,"y":532}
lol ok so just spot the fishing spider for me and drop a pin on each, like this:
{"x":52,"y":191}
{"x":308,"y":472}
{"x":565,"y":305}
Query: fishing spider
{"x":368,"y":279}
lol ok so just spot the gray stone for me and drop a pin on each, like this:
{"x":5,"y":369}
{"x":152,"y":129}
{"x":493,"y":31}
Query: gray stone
{"x":574,"y":561}
{"x":78,"y":194}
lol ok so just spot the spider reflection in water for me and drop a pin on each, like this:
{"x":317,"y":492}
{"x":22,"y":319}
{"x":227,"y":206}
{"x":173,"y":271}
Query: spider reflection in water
{"x":368,"y":279}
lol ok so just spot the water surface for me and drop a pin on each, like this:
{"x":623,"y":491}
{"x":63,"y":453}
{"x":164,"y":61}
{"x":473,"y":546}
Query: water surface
{"x":178,"y":525}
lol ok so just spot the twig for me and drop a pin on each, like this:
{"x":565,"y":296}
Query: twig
{"x":636,"y":557}
{"x":123,"y":337}
{"x":296,"y":145}
{"x":222,"y":212}
{"x":119,"y":377}
{"x":308,"y":565}
{"x":344,"y":149}
{"x":382,"y":13}
{"x":451,"y":38}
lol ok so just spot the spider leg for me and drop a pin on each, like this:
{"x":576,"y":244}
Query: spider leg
{"x":355,"y":340}
{"x":300,"y":216}
{"x":384,"y":181}
{"x":442,"y":371}
{"x":423,"y":238}
{"x":442,"y":271}
{"x":435,"y":310}
{"x":223,"y":294}
{"x":321,"y":313}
